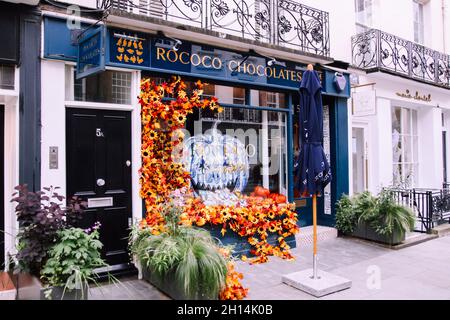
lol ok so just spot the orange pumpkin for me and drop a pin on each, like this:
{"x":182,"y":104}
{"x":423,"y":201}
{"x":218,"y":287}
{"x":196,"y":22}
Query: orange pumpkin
{"x":261,"y":192}
{"x":280,"y":199}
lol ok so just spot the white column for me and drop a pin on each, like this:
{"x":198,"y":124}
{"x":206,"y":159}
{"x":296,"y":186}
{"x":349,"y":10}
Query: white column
{"x":382,"y":142}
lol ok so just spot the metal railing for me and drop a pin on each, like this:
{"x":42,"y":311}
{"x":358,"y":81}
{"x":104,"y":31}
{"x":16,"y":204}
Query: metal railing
{"x":430,"y":206}
{"x":280,"y":22}
{"x":377,"y":50}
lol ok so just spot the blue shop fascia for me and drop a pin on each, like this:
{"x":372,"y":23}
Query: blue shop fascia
{"x":256,"y":91}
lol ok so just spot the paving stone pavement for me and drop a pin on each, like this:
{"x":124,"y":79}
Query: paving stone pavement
{"x":418,"y":272}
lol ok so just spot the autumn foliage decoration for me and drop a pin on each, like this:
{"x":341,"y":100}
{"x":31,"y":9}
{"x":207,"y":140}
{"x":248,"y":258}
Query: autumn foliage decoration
{"x":161,"y":119}
{"x":164,"y":109}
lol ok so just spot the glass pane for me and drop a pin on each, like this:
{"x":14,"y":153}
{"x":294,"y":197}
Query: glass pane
{"x":396,"y":116}
{"x":268,"y":99}
{"x":396,"y":147}
{"x":415,"y":149}
{"x":406,"y":121}
{"x":108,"y":86}
{"x":263,"y":145}
{"x":238,"y":95}
{"x":7,"y":77}
{"x":397,"y":174}
{"x":414,"y":122}
{"x":407,"y":149}
{"x":409,"y":175}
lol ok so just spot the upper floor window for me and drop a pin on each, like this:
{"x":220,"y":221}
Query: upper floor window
{"x":7,"y":77}
{"x":418,"y":21}
{"x":364,"y":14}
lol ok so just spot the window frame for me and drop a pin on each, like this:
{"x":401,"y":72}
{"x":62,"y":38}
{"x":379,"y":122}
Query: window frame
{"x":413,"y":137}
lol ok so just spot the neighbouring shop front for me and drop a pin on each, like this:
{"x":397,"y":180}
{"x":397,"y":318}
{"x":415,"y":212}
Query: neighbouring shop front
{"x":19,"y":107}
{"x":91,"y":125}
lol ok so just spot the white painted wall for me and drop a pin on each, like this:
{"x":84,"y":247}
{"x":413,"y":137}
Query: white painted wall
{"x":53,"y":123}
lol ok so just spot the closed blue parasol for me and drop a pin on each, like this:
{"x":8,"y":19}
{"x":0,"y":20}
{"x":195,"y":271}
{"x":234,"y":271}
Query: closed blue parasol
{"x":313,"y":170}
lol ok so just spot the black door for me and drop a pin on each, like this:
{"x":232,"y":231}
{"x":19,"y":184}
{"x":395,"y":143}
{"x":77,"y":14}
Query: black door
{"x":99,"y":171}
{"x":2,"y":186}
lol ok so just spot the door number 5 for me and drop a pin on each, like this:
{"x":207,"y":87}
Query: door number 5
{"x":99,"y":133}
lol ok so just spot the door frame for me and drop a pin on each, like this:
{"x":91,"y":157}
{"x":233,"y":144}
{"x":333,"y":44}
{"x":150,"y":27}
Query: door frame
{"x":360,"y":124}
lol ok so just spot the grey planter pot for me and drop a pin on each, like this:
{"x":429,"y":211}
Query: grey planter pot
{"x":365,"y":231}
{"x":30,"y":287}
{"x":170,"y":287}
{"x":59,"y":294}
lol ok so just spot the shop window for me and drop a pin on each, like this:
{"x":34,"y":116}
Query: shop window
{"x":264,"y":143}
{"x":262,"y":133}
{"x":105,"y":87}
{"x":404,"y":147}
{"x":7,"y":77}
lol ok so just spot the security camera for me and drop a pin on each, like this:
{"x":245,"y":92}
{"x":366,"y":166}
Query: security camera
{"x":271,"y":62}
{"x":177,"y":45}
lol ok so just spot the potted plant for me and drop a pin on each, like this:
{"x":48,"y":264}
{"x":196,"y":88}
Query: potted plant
{"x":40,"y":216}
{"x":391,"y":222}
{"x":184,"y":262}
{"x":378,"y":219}
{"x":71,"y":263}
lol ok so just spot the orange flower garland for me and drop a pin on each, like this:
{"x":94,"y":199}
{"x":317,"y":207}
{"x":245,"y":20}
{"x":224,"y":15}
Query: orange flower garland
{"x":160,"y":176}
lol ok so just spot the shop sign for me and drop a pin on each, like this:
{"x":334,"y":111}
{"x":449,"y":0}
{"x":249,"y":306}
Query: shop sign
{"x":407,"y":94}
{"x":91,"y":52}
{"x":129,"y":48}
{"x":364,"y":103}
{"x":142,"y":52}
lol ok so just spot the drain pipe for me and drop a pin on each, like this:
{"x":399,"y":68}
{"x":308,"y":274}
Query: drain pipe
{"x":444,"y":25}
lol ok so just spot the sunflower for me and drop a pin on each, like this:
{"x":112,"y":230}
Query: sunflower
{"x":261,"y":230}
{"x":271,"y":215}
{"x":272,"y":228}
{"x":181,"y":118}
{"x":145,"y":153}
{"x":152,"y":135}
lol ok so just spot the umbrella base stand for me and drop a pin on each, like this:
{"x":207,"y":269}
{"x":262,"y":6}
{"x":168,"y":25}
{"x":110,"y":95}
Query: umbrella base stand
{"x":326,"y":283}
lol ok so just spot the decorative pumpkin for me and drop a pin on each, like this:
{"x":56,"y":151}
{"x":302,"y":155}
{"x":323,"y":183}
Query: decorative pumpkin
{"x":218,"y":165}
{"x":262,"y":192}
{"x":280,"y":199}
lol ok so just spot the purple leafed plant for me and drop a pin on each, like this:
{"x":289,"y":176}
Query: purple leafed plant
{"x":40,"y":215}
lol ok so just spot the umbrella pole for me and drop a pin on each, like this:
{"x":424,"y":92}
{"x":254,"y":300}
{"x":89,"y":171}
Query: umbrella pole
{"x":314,"y":203}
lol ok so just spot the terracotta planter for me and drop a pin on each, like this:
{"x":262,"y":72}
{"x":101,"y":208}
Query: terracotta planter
{"x":171,"y":287}
{"x":7,"y":288}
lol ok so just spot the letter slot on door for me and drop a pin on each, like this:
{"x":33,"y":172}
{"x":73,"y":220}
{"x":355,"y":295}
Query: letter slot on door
{"x":100,"y":202}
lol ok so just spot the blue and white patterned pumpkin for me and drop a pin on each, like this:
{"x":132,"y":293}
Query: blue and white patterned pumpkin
{"x":216,"y":162}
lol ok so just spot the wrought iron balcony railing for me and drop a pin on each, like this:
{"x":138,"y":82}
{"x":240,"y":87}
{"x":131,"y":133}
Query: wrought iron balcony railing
{"x":375,"y":50}
{"x":280,"y":22}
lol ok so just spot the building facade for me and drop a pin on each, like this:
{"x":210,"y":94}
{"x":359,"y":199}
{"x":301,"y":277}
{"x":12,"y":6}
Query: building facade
{"x":19,"y":109}
{"x":71,"y":118}
{"x":249,"y":54}
{"x":400,"y":101}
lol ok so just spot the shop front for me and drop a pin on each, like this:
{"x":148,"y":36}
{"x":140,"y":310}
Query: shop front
{"x":98,"y":119}
{"x":18,"y":109}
